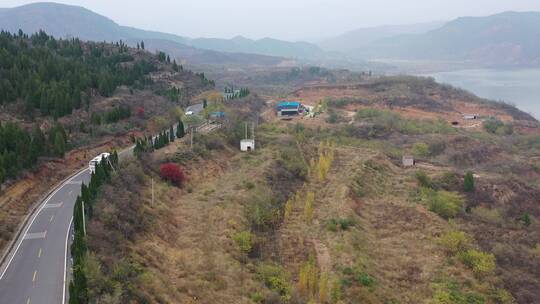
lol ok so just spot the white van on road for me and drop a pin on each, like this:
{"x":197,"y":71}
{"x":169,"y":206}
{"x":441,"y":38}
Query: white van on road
{"x":96,"y":160}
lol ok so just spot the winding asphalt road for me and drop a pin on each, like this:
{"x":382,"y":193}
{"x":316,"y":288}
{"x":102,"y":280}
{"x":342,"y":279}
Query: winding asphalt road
{"x":34,"y":271}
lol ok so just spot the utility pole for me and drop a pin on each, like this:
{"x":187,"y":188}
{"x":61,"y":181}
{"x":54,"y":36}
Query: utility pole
{"x":245,"y":127}
{"x":152,"y":191}
{"x":83,"y":219}
{"x":191,"y":138}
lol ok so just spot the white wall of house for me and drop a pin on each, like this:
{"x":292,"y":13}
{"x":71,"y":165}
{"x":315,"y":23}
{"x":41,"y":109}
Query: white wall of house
{"x":247,"y":145}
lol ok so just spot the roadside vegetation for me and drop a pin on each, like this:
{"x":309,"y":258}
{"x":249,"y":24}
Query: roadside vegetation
{"x":21,"y":149}
{"x":64,"y":101}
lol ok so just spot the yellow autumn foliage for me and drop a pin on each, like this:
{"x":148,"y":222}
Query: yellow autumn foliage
{"x":308,"y":282}
{"x":308,"y":207}
{"x":321,"y":166}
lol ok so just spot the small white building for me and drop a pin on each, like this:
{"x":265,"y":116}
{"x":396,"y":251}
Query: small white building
{"x":470,"y":116}
{"x":408,"y":161}
{"x":247,"y":145}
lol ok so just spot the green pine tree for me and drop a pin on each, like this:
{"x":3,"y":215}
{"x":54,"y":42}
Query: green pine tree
{"x":526,"y":219}
{"x":468,"y":182}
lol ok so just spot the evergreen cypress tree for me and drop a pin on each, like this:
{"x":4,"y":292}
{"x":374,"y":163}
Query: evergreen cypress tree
{"x":85,"y":193}
{"x":171,"y":134}
{"x":180,"y":132}
{"x":92,"y":186}
{"x":115,"y":158}
{"x":106,"y":168}
{"x":37,"y":146}
{"x":2,"y":169}
{"x":59,"y":145}
{"x":138,"y":148}
{"x":142,"y":45}
{"x":468,"y":182}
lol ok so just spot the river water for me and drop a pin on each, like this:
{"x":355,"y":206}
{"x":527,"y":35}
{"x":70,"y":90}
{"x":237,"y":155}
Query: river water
{"x":520,"y":87}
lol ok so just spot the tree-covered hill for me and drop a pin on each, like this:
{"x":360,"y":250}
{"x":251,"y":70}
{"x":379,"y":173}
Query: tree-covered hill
{"x":57,"y":94}
{"x":62,"y":20}
{"x":57,"y":76}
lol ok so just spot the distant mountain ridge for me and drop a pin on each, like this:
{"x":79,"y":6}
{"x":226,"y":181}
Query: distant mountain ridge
{"x":362,"y":37}
{"x":503,"y":40}
{"x":506,"y":39}
{"x":74,"y":21}
{"x":265,"y":46}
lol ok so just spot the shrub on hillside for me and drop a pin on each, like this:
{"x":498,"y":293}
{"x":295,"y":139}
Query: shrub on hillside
{"x":276,"y":279}
{"x":446,"y":204}
{"x":481,"y":263}
{"x":420,"y":149}
{"x":496,"y":126}
{"x":423,"y":179}
{"x":172,"y":173}
{"x":448,"y":180}
{"x":526,"y":219}
{"x":437,"y":147}
{"x":333,"y":117}
{"x":291,"y":159}
{"x":264,"y":213}
{"x":468,"y":182}
{"x":339,"y":224}
{"x":452,"y":292}
{"x":489,"y":215}
{"x":244,"y":241}
{"x":455,"y":242}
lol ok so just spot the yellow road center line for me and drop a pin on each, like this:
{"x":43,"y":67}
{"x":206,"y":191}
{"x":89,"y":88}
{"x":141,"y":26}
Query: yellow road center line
{"x":39,"y":253}
{"x":35,"y":274}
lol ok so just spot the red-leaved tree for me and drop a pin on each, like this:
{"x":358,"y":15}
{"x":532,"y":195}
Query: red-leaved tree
{"x":173,"y":173}
{"x":140,"y":112}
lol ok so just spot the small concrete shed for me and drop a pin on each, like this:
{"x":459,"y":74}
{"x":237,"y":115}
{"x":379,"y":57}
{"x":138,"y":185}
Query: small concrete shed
{"x":408,"y":161}
{"x":247,"y":145}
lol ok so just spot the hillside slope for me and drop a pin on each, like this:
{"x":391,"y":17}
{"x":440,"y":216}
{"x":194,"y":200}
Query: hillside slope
{"x":323,"y":211}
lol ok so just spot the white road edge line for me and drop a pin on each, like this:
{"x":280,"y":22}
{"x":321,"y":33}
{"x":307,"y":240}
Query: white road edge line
{"x":32,"y":222}
{"x":65,"y":262}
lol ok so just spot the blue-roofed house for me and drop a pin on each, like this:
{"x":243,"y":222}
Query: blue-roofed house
{"x":216,"y":116}
{"x":288,"y":108}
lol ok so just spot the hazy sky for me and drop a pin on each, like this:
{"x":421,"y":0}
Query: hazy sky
{"x":285,"y":19}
